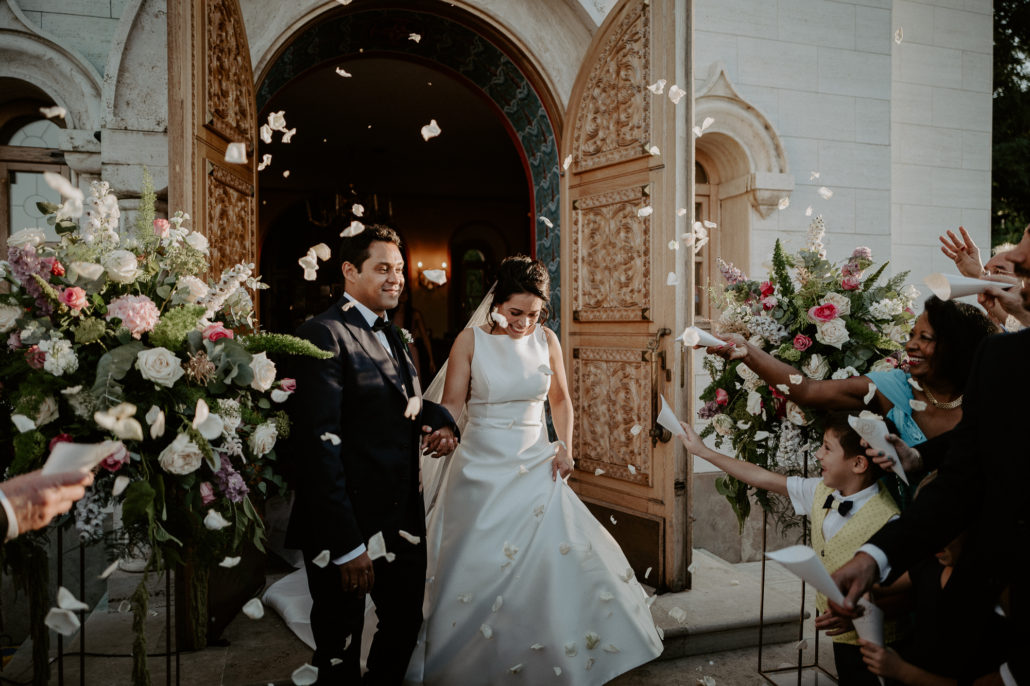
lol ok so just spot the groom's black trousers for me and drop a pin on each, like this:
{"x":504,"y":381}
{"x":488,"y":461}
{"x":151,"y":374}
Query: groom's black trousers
{"x":335,"y":615}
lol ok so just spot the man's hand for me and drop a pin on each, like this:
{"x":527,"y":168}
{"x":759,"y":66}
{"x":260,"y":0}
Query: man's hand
{"x":357,"y":576}
{"x":854,"y":578}
{"x":37,"y":499}
{"x":1002,"y":302}
{"x":439,"y":443}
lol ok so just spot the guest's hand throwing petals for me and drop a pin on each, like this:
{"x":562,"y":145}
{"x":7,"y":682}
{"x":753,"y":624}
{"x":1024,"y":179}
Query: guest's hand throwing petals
{"x":911,"y":460}
{"x":964,"y":253}
{"x":735,"y":348}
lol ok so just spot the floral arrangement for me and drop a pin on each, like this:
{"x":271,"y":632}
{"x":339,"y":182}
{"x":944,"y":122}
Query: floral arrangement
{"x":827,"y":320}
{"x":119,"y":337}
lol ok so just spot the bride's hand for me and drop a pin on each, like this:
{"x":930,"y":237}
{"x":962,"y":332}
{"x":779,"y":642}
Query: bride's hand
{"x":561,"y":463}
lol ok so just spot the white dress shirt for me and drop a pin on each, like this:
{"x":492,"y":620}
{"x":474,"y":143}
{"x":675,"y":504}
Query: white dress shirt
{"x":12,"y":518}
{"x":802,"y":493}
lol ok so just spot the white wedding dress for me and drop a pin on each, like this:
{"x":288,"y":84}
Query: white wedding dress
{"x":522,"y":579}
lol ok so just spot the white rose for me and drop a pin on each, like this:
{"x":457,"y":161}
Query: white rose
{"x":8,"y":317}
{"x":838,"y":300}
{"x":910,"y":292}
{"x":47,"y":411}
{"x":190,"y":289}
{"x":159,"y":365}
{"x":845,"y":373}
{"x":795,"y":414}
{"x":263,"y":439}
{"x":833,"y":332}
{"x":884,"y":365}
{"x":26,"y":237}
{"x":197,"y":241}
{"x":754,"y":403}
{"x":87,"y":270}
{"x":264,"y":372}
{"x":182,"y":456}
{"x":751,"y":380}
{"x":121,"y":266}
{"x":723,"y":424}
{"x":816,"y":367}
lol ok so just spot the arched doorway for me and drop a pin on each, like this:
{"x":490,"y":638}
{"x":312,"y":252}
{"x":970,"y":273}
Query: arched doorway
{"x":494,"y":165}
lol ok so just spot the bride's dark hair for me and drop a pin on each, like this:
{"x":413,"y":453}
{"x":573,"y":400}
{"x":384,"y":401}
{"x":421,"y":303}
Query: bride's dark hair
{"x":522,"y":274}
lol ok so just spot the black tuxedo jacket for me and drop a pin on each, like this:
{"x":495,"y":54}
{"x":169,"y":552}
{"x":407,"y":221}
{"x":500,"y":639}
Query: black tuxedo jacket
{"x":368,"y":483}
{"x":981,"y":486}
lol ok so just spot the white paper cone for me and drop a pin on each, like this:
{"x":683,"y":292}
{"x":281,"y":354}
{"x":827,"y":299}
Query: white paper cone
{"x":77,"y":457}
{"x":870,"y":625}
{"x":668,"y":420}
{"x":874,"y":431}
{"x":803,"y":562}
{"x":948,"y":286}
{"x":692,"y":336}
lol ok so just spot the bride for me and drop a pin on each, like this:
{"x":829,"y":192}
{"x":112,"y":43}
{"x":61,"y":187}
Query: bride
{"x":521,"y":579}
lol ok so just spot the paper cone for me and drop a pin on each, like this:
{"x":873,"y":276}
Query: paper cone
{"x":870,"y":625}
{"x":948,"y":286}
{"x":803,"y":562}
{"x":77,"y":457}
{"x":874,"y":431}
{"x":692,"y":336}
{"x":667,"y":419}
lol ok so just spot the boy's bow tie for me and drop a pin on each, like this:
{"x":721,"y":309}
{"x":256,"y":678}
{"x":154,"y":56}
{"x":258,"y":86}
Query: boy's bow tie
{"x":841,"y":506}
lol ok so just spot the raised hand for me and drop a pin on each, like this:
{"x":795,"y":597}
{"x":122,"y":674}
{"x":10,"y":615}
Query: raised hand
{"x":964,"y":252}
{"x":690,"y":439}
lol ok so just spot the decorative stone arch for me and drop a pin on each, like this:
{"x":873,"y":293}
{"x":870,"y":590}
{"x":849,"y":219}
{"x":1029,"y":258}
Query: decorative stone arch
{"x":744,"y":157}
{"x":526,"y":105}
{"x":29,"y":54}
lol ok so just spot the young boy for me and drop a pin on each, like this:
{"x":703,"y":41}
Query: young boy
{"x":846,"y":507}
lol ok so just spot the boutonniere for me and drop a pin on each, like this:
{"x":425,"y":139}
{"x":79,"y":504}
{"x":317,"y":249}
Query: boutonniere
{"x":404,"y":334}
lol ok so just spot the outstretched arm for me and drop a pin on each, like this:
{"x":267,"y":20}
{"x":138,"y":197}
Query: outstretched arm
{"x":743,"y":470}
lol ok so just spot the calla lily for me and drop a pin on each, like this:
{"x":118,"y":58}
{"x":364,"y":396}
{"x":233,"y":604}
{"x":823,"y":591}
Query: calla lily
{"x":64,"y":622}
{"x":67,"y":601}
{"x":119,"y":421}
{"x":23,"y":423}
{"x":215,"y":521}
{"x":156,"y":419}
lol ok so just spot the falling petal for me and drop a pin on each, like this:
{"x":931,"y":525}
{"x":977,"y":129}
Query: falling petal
{"x":414,"y":37}
{"x":343,"y":72}
{"x":347,"y":642}
{"x":109,"y":570}
{"x":63,"y":186}
{"x":672,"y":279}
{"x":277,"y":120}
{"x":538,"y":510}
{"x":605,"y":596}
{"x":567,"y":163}
{"x":709,"y":225}
{"x":674,"y":245}
{"x":266,"y":160}
{"x":627,"y":575}
{"x":570,"y":649}
{"x":229,"y":562}
{"x":658,"y":87}
{"x":650,"y":600}
{"x":635,"y":430}
{"x":706,"y":681}
{"x":523,"y":470}
{"x":707,"y":122}
{"x":825,"y":193}
{"x":678,"y":614}
{"x":254,"y":609}
{"x":353,"y":230}
{"x":917,"y":405}
{"x":544,"y":369}
{"x":557,"y":670}
{"x":761,"y":435}
{"x":661,"y":633}
{"x":331,"y":437}
{"x":795,"y":378}
{"x":647,"y":573}
{"x":343,"y":308}
{"x":266,"y":133}
{"x":564,"y":548}
{"x":801,"y":645}
{"x":654,"y":150}
{"x":52,"y":112}
{"x":592,"y":640}
{"x":288,"y":135}
{"x":306,"y":675}
{"x":899,"y":35}
{"x":63,"y":622}
{"x":645,"y":211}
{"x":612,"y":519}
{"x":734,"y":582}
{"x":681,"y":211}
{"x":322,"y":251}
{"x":631,"y":468}
{"x":808,"y":211}
{"x":783,"y":388}
{"x":322,"y":559}
{"x":497,"y":604}
{"x":431,"y":130}
{"x":236,"y":153}
{"x":610,"y":648}
{"x":413,"y":540}
{"x":414,"y":407}
{"x":676,"y":94}
{"x":67,"y":601}
{"x":377,"y":546}
{"x":214,"y":521}
{"x":357,"y":210}
{"x":871,"y":394}
{"x":598,"y":472}
{"x":589,"y":664}
{"x":784,"y":203}
{"x":500,"y":319}
{"x":516,"y":669}
{"x":537,"y":646}
{"x":487,"y":632}
{"x":510,"y":551}
{"x":812,"y":176}
{"x":546,"y":222}
{"x":914,"y":384}
{"x":286,"y":174}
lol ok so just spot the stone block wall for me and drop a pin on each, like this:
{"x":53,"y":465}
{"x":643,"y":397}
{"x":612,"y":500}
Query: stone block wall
{"x":86,"y":26}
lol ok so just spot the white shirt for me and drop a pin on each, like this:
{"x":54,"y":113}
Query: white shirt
{"x":12,"y":518}
{"x":370,"y":317}
{"x":802,"y":494}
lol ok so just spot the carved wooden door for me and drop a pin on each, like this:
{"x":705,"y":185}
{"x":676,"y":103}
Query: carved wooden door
{"x":210,"y":105}
{"x":620,"y":313}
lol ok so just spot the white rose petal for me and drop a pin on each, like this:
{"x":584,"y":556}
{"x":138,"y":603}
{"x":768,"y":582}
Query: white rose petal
{"x":598,"y":472}
{"x":516,"y":669}
{"x":784,"y":203}
{"x":465,"y":598}
{"x":501,"y":320}
{"x":156,"y":419}
{"x":825,"y":193}
{"x":264,"y":372}
{"x":795,"y":378}
{"x":53,"y":112}
{"x":647,"y":572}
{"x":570,"y":649}
{"x":808,"y":211}
{"x":413,"y":540}
{"x":678,"y":614}
{"x":523,"y":470}
{"x":305,"y":675}
{"x":63,"y":186}
{"x":266,"y":160}
{"x":236,"y":153}
{"x":277,"y":120}
{"x":654,"y":150}
{"x":645,"y":211}
{"x":109,"y":570}
{"x":567,"y":162}
{"x":278,"y":395}
{"x":487,"y":632}
{"x":414,"y":37}
{"x":266,"y":133}
{"x":783,"y":388}
{"x":357,"y":209}
{"x":198,"y":241}
{"x":498,"y":604}
{"x":761,"y":435}
{"x":120,"y":484}
{"x":64,"y":622}
{"x":67,"y":601}
{"x":229,"y":562}
{"x":871,"y":394}
{"x":631,"y":468}
{"x":914,"y":384}
{"x":377,"y":547}
{"x":592,"y":639}
{"x":214,"y":521}
{"x":22,"y":423}
{"x":121,"y":266}
{"x":546,"y":222}
{"x":627,"y":575}
{"x":331,"y":437}
{"x":510,"y":551}
{"x":672,"y":279}
{"x":754,"y":403}
{"x":431,"y":130}
{"x":676,"y":94}
{"x":88,"y":270}
{"x":564,"y":548}
{"x":635,"y":429}
{"x":658,"y":87}
{"x":917,"y":405}
{"x":254,"y":609}
{"x":610,"y":648}
{"x":612,"y":519}
{"x":288,"y":135}
{"x":343,"y":72}
{"x":322,"y":559}
{"x":795,"y":414}
{"x":899,"y":35}
{"x":354,"y":229}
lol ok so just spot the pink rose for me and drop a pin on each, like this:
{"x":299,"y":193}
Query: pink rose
{"x":802,"y":342}
{"x":74,"y":297}
{"x":850,"y":283}
{"x":207,"y":493}
{"x":769,"y":302}
{"x":767,"y":289}
{"x":290,"y":385}
{"x":59,"y":438}
{"x":213,"y":332}
{"x":161,"y":227}
{"x":116,"y":459}
{"x":721,"y":397}
{"x":823,"y":313}
{"x":35,"y":357}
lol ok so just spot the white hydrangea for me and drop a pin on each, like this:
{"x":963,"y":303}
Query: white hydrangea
{"x":60,"y":356}
{"x":887,"y":308}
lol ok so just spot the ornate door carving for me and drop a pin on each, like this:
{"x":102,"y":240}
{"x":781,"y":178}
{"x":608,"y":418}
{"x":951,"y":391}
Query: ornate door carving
{"x":621,"y":312}
{"x":210,"y":105}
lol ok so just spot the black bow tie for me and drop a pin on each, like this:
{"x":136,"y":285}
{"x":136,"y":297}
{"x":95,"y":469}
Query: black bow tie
{"x":381,"y":324}
{"x":841,"y":506}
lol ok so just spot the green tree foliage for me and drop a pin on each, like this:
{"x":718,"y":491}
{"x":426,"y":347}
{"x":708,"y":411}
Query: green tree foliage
{"x":1010,"y":175}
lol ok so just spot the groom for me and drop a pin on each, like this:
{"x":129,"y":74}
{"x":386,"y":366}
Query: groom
{"x":356,"y":469}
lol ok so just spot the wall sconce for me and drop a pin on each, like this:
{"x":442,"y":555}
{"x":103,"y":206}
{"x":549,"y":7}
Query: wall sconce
{"x":432,"y":278}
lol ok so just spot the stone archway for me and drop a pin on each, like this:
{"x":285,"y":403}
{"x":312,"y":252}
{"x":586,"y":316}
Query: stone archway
{"x":531,"y":116}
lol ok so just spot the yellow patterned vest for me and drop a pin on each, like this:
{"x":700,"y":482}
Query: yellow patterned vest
{"x":839,"y":550}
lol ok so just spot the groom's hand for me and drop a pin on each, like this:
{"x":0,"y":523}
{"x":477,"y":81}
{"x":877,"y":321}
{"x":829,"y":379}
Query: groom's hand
{"x":357,"y":576}
{"x":440,"y":442}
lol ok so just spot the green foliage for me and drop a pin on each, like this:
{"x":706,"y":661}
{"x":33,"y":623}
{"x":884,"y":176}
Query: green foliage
{"x":174,"y":326}
{"x":29,"y":448}
{"x":89,"y":330}
{"x":283,"y":344}
{"x":780,"y":273}
{"x":112,"y":368}
{"x":1010,"y":155}
{"x":147,"y":200}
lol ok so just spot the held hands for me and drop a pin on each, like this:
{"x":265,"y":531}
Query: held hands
{"x":358,"y":576}
{"x":37,"y":499}
{"x":832,"y":624}
{"x":911,"y":460}
{"x":561,"y":463}
{"x":438,"y":443}
{"x":735,"y":348}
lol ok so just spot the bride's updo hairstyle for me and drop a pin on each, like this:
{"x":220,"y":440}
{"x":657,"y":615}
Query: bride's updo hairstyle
{"x":522,"y":274}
